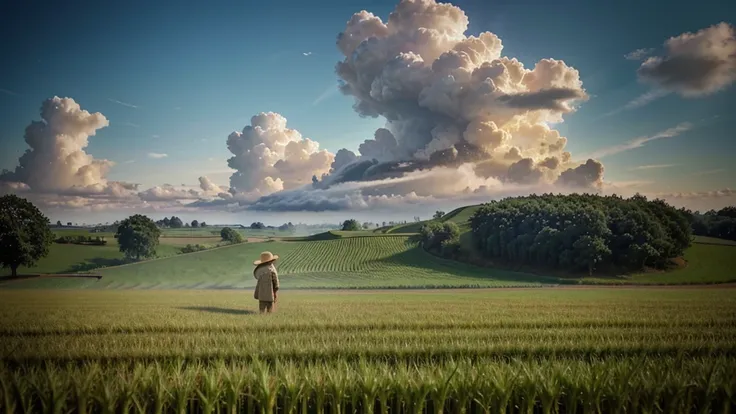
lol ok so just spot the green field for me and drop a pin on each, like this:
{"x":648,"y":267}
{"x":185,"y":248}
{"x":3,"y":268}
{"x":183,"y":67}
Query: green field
{"x":338,"y":260}
{"x":560,"y":350}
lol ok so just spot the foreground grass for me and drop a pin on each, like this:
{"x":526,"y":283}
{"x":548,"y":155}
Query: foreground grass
{"x":545,"y":351}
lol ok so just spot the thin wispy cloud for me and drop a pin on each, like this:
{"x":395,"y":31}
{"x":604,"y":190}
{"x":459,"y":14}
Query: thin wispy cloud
{"x":130,"y":124}
{"x":709,"y":172}
{"x":652,"y":167}
{"x":638,"y":54}
{"x":129,"y":162}
{"x":157,"y":155}
{"x":307,"y":53}
{"x":646,"y":98}
{"x":639,"y":101}
{"x":639,"y":142}
{"x":328,"y":93}
{"x":629,"y":184}
{"x":123,"y":103}
{"x":9,"y":92}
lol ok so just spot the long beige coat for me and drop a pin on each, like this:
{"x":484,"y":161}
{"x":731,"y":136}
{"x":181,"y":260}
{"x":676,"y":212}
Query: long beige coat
{"x":268,"y":281}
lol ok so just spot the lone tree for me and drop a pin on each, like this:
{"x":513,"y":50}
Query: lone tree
{"x":25,"y":236}
{"x":138,"y":237}
{"x":230,"y":235}
{"x":195,"y":223}
{"x":438,"y":214}
{"x":350,"y":225}
{"x":58,"y":223}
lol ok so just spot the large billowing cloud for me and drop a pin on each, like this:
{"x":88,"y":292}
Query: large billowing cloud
{"x":270,"y":157}
{"x":56,"y":159}
{"x":459,"y":115}
{"x":56,"y":169}
{"x":695,"y":64}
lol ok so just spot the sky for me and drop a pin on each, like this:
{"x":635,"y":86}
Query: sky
{"x":172,"y":81}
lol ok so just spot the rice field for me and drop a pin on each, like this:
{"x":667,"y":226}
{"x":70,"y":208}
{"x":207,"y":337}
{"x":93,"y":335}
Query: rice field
{"x":480,"y":351}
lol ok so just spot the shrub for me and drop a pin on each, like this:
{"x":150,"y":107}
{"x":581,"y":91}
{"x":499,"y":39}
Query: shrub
{"x":230,"y":235}
{"x":191,"y":248}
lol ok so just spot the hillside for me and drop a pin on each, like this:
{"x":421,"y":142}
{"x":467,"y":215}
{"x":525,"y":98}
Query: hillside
{"x":341,"y":262}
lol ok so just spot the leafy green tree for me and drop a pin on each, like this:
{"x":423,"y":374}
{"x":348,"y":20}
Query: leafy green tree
{"x":195,"y":223}
{"x":350,"y":225}
{"x":138,"y":237}
{"x":442,"y":238}
{"x":203,"y":224}
{"x":438,"y":215}
{"x":257,"y":226}
{"x":175,"y":222}
{"x":166,"y":222}
{"x":230,"y":235}
{"x":58,"y":223}
{"x":25,"y":236}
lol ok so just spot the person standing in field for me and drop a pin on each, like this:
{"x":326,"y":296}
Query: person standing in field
{"x":267,"y":284}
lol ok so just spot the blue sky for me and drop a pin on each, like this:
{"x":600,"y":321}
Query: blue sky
{"x":178,"y":77}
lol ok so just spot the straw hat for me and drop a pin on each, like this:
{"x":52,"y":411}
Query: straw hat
{"x":266,"y":257}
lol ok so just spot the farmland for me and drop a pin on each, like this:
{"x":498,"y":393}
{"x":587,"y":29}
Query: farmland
{"x":481,"y":350}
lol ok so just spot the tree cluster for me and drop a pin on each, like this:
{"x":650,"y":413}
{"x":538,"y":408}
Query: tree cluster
{"x":720,"y":224}
{"x":351,"y":225}
{"x":173,"y":222}
{"x":257,"y":226}
{"x":441,"y":238}
{"x":581,"y":232}
{"x":287,"y":227}
{"x":230,"y":235}
{"x":84,"y":240}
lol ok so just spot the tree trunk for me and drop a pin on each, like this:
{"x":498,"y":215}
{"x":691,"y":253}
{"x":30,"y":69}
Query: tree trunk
{"x":14,"y":270}
{"x":590,"y":269}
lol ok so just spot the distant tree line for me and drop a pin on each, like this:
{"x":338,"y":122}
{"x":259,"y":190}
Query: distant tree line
{"x":720,"y":224}
{"x":581,"y":232}
{"x":174,"y":222}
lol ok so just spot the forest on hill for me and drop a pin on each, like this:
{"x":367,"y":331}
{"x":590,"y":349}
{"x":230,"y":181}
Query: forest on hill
{"x":581,"y":232}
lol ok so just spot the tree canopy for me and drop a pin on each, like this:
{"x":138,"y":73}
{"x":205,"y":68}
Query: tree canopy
{"x":441,"y":238}
{"x":720,"y":224}
{"x":138,"y":237}
{"x":581,"y":232}
{"x":25,"y":235}
{"x":351,"y":225}
{"x":231,"y":235}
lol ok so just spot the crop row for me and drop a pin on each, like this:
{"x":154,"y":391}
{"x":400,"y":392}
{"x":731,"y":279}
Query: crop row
{"x":347,"y":254}
{"x":613,"y":385}
{"x":381,"y":345}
